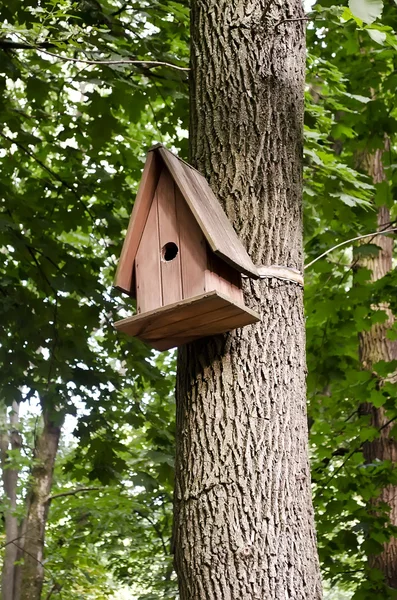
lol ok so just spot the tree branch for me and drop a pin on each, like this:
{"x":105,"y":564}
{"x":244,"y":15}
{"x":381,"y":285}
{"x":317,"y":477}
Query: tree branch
{"x":291,"y":20}
{"x":145,"y":63}
{"x":120,"y":10}
{"x":359,"y":237}
{"x":43,"y":46}
{"x":73,"y":492}
{"x":58,"y":178}
{"x":10,"y":45}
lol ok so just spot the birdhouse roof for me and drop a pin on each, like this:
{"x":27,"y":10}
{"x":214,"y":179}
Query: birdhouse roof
{"x":203,"y":204}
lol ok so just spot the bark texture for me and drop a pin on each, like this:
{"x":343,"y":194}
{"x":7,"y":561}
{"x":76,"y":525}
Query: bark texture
{"x":9,"y":440}
{"x":374,"y":347}
{"x":244,"y":526}
{"x":32,"y":572}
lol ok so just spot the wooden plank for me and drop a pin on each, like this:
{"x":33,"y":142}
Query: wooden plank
{"x":218,"y":328}
{"x":171,"y":276}
{"x":168,"y":315}
{"x":147,"y":265}
{"x":240,"y":319}
{"x":209,"y":214}
{"x":194,"y":312}
{"x":140,"y":212}
{"x":193,"y":250}
{"x":185,"y":325}
{"x":224,"y":278}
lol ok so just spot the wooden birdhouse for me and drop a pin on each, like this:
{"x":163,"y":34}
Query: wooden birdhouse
{"x":181,"y":259}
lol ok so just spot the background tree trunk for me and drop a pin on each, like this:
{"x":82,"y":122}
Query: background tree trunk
{"x":32,"y":571}
{"x":244,"y":524}
{"x":374,"y":347}
{"x":10,"y":439}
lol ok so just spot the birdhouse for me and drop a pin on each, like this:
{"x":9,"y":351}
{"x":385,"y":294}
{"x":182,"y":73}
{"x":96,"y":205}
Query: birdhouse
{"x":181,"y":259}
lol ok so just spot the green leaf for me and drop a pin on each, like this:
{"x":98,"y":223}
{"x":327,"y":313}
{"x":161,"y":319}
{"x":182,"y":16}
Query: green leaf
{"x":366,"y":10}
{"x":366,"y":250}
{"x":378,"y":36}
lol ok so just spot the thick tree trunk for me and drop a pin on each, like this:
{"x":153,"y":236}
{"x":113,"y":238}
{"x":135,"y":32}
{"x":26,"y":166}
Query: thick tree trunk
{"x":244,"y":526}
{"x":9,"y":440}
{"x":32,"y":571}
{"x":374,"y":347}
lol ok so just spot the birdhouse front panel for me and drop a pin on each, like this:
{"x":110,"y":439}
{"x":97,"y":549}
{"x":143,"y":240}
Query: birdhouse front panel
{"x":185,"y":289}
{"x":193,"y":250}
{"x":172,"y":251}
{"x":149,"y":289}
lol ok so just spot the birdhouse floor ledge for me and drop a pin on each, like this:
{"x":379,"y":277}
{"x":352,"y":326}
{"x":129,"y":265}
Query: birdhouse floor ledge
{"x":209,"y":314}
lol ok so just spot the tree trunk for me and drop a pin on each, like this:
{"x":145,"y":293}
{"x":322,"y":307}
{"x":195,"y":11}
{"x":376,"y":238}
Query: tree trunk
{"x":32,"y":571}
{"x":374,"y":347}
{"x":244,"y":526}
{"x":9,"y":440}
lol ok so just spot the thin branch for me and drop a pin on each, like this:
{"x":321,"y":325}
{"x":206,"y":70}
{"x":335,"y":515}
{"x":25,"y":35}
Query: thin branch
{"x":156,"y":528}
{"x":388,"y":423}
{"x":58,"y":178}
{"x":55,"y":588}
{"x":31,"y":556}
{"x":15,"y":540}
{"x":291,"y":20}
{"x":351,"y":416}
{"x":50,"y":171}
{"x":145,"y":63}
{"x":359,"y":237}
{"x":73,"y":492}
{"x":120,"y":10}
{"x":10,"y":45}
{"x":348,"y":457}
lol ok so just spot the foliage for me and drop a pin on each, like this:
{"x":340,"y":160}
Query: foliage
{"x":117,"y":533}
{"x":73,"y":139}
{"x":351,"y":106}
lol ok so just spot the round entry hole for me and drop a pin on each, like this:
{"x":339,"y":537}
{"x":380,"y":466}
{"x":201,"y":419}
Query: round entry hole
{"x":169,"y":252}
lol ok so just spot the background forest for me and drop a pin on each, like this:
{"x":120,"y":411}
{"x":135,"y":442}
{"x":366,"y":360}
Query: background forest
{"x":86,"y":88}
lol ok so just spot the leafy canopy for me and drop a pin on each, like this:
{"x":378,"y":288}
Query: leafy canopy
{"x":74,"y":133}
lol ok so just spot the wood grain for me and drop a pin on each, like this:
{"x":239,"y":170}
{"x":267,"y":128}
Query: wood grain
{"x":224,"y":278}
{"x":208,"y":314}
{"x":193,"y":248}
{"x":139,"y":215}
{"x":171,"y":276}
{"x":208,"y":213}
{"x":147,"y":265}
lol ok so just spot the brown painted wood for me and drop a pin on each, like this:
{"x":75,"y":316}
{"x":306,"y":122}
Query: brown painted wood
{"x":171,"y":276}
{"x":209,"y":214}
{"x":224,"y":278}
{"x":147,"y":265}
{"x":169,"y":314}
{"x":185,"y":325}
{"x":195,"y":313}
{"x":139,"y":215}
{"x":193,"y":250}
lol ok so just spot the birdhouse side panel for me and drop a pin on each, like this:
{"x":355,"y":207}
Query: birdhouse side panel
{"x":147,"y":265}
{"x":169,"y":255}
{"x":142,"y":204}
{"x":223,"y":278}
{"x":193,"y":250}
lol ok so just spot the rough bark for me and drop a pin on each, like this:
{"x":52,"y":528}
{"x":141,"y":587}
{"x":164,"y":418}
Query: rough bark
{"x":374,"y":347}
{"x":32,"y":571}
{"x":244,"y":526}
{"x":9,"y":440}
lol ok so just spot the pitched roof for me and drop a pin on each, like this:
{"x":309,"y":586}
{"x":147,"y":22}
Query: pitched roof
{"x":204,"y":205}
